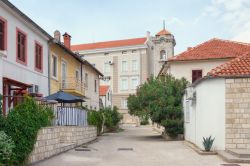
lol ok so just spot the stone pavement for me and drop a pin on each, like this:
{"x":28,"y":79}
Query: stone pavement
{"x":148,"y":149}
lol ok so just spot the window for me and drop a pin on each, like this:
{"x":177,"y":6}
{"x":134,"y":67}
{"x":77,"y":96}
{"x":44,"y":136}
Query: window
{"x":187,"y":114}
{"x":196,"y":74}
{"x":163,"y":55}
{"x":95,"y":85}
{"x":54,"y":66}
{"x":108,"y":96}
{"x":134,"y":65}
{"x":3,"y":34}
{"x":21,"y":47}
{"x":124,"y":84}
{"x":106,"y":67}
{"x":64,"y":74}
{"x":124,"y":66}
{"x":38,"y":57}
{"x":134,"y":83}
{"x":124,"y":104}
{"x":86,"y":80}
{"x":77,"y":74}
{"x":124,"y":52}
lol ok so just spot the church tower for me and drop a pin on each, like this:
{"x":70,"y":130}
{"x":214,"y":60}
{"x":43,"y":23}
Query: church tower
{"x":164,"y":43}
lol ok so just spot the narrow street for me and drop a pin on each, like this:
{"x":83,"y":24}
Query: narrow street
{"x":148,"y":149}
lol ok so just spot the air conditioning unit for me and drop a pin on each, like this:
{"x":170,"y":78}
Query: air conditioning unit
{"x":111,"y":62}
{"x":190,"y":93}
{"x":34,"y":89}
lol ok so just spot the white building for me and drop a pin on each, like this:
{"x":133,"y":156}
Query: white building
{"x":218,"y":105}
{"x":24,"y":55}
{"x":105,"y":94}
{"x":195,"y":62}
{"x":128,"y":63}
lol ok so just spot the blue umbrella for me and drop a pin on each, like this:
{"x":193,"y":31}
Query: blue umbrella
{"x":63,"y":97}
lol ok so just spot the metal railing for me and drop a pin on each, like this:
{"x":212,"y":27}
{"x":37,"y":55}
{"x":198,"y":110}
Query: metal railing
{"x":72,"y":83}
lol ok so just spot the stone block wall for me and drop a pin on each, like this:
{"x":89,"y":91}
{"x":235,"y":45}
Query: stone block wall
{"x":238,"y":113}
{"x":57,"y":139}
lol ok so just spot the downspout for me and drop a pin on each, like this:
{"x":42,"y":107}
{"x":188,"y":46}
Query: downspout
{"x":49,"y":83}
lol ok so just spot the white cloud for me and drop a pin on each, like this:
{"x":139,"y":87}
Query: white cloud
{"x":234,"y":14}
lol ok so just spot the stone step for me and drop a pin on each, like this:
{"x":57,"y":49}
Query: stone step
{"x":230,"y":158}
{"x":241,"y":153}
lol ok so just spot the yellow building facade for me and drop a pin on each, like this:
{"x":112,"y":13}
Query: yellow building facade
{"x":65,"y":70}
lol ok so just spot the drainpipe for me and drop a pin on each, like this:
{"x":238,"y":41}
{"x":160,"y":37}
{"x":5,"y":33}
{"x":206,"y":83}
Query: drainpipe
{"x":49,"y":66}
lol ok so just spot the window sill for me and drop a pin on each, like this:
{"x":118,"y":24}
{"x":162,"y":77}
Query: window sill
{"x":39,"y":70}
{"x":21,"y":62}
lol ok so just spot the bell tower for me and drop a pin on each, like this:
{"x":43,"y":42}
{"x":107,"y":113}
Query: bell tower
{"x":164,"y":43}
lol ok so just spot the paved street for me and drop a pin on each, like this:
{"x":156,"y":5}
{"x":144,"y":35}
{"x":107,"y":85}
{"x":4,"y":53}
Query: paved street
{"x":149,"y":149}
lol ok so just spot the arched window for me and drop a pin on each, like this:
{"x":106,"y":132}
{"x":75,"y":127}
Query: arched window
{"x":163,"y":55}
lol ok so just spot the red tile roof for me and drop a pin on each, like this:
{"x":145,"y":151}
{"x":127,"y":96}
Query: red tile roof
{"x":239,"y":66}
{"x":163,"y":32}
{"x":103,"y":89}
{"x":109,"y":44}
{"x":213,"y":49}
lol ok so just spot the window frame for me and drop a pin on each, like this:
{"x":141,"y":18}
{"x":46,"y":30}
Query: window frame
{"x":124,"y":69}
{"x":122,"y":88}
{"x":5,"y":29}
{"x":123,"y":105}
{"x":163,"y":56}
{"x":136,"y":64}
{"x":86,"y":79}
{"x":39,"y":45}
{"x":196,"y":77}
{"x":52,"y":73}
{"x":95,"y":85}
{"x":133,"y":78}
{"x":107,"y":66}
{"x":25,"y":47}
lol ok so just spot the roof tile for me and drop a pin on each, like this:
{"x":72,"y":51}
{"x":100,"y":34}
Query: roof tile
{"x":103,"y":89}
{"x":109,"y":44}
{"x":213,"y":49}
{"x":239,"y":66}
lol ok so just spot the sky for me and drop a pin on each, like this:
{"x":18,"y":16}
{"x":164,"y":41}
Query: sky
{"x":190,"y":21}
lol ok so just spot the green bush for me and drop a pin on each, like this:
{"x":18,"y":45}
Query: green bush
{"x":173,"y":127}
{"x":6,"y":148}
{"x":95,"y":118}
{"x":112,"y":118}
{"x":1,"y":114}
{"x":22,"y":125}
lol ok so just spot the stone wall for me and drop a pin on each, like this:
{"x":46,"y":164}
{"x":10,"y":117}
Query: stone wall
{"x":238,"y":113}
{"x":57,"y":139}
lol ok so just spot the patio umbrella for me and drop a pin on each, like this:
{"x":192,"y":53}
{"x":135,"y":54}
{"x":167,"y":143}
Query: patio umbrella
{"x":63,"y":97}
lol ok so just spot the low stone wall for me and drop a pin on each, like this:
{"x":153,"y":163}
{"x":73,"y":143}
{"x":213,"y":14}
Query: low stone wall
{"x":54,"y":140}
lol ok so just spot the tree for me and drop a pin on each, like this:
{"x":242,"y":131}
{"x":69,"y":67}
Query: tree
{"x":160,"y":99}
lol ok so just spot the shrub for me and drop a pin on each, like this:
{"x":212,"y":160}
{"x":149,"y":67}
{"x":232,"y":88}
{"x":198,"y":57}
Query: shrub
{"x":6,"y":148}
{"x":22,"y":125}
{"x":1,"y":113}
{"x":173,"y":127}
{"x":208,"y":143}
{"x":95,"y":118}
{"x":112,"y":118}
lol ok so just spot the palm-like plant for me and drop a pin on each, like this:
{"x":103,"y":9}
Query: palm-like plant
{"x":208,"y":143}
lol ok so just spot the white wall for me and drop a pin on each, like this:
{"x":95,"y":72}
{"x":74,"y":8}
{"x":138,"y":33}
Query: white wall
{"x":1,"y":75}
{"x":17,"y":71}
{"x":92,"y":97}
{"x":184,"y":69}
{"x":105,"y":101}
{"x":207,"y":114}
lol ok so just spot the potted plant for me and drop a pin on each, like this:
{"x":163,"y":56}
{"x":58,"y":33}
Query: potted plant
{"x":208,"y":143}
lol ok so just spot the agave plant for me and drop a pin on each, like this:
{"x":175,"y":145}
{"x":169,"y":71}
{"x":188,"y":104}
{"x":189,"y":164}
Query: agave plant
{"x":208,"y":143}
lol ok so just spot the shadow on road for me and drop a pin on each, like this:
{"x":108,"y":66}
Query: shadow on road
{"x":150,"y":138}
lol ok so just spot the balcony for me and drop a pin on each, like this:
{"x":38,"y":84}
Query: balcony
{"x":73,"y":85}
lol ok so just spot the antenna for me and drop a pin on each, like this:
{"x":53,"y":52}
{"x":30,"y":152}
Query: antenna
{"x":164,"y":24}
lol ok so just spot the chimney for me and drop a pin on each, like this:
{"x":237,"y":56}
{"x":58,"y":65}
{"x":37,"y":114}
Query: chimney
{"x":67,"y":40}
{"x":148,"y":35}
{"x":57,"y":36}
